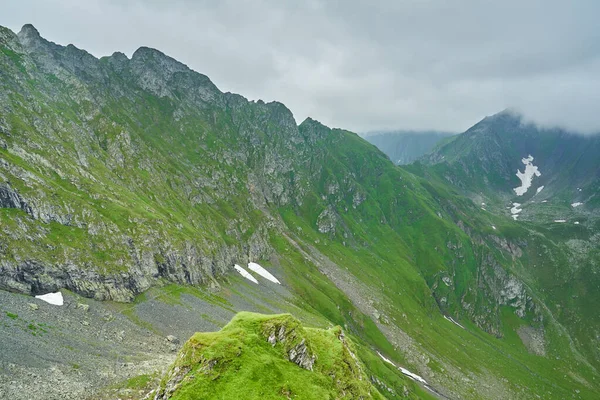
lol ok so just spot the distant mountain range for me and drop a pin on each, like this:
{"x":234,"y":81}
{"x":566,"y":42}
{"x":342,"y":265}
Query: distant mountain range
{"x":404,"y":147}
{"x":504,"y":159}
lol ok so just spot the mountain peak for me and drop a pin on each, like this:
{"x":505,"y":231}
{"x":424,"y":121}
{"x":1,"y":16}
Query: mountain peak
{"x":30,"y":37}
{"x":309,"y":122}
{"x":156,"y":59}
{"x":30,"y":31}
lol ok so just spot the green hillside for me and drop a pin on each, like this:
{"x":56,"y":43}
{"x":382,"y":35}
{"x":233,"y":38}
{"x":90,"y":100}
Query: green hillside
{"x":119,"y":176}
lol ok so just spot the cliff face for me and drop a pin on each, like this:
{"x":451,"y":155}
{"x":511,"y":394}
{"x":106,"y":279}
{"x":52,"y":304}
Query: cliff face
{"x":115,"y":172}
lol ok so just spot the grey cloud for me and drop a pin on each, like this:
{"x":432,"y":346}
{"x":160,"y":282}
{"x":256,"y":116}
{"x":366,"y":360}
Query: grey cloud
{"x":361,"y":65}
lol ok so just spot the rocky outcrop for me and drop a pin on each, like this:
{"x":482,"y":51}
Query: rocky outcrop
{"x":9,"y":198}
{"x":288,"y":333}
{"x":300,"y":355}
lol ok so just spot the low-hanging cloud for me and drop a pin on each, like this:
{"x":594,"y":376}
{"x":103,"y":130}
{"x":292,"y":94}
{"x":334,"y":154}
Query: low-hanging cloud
{"x":361,"y":65}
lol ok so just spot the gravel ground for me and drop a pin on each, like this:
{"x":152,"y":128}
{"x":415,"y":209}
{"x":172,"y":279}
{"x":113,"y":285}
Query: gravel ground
{"x":87,"y":349}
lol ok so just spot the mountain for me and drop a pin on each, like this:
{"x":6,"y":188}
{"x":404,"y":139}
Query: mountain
{"x":160,"y":206}
{"x":505,"y":159}
{"x":404,"y":147}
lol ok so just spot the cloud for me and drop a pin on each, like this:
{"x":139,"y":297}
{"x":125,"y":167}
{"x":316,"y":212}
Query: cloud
{"x":361,"y":65}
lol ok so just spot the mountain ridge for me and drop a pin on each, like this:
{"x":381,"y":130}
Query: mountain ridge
{"x":119,"y":177}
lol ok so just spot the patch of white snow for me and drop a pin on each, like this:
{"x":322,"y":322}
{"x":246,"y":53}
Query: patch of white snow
{"x":413,"y":376}
{"x":493,"y":227}
{"x":526,"y":176}
{"x":539,"y":189}
{"x":262,"y":272}
{"x":560,"y":220}
{"x":544,"y":201}
{"x":52,"y":298}
{"x":576,"y":204}
{"x":453,"y":321}
{"x":576,"y":222}
{"x":245,"y":273}
{"x":406,"y":372}
{"x":515,"y":210}
{"x":387,"y":360}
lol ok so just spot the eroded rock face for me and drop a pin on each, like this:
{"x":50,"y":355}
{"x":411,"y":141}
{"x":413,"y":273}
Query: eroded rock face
{"x":327,"y":221}
{"x":287,"y":335}
{"x":300,"y":355}
{"x":173,"y":380}
{"x":9,"y":198}
{"x":124,"y":208}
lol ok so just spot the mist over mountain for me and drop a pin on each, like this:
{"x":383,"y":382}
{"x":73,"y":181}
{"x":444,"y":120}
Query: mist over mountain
{"x":404,"y":147}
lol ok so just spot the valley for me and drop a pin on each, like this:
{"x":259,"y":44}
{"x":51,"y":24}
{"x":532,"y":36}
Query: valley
{"x":160,"y":206}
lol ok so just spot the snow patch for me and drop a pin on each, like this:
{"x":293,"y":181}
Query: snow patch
{"x":245,"y":273}
{"x":413,"y":376}
{"x":576,"y":222}
{"x":515,"y":210}
{"x":453,"y":321}
{"x":560,"y":220}
{"x":406,"y":372}
{"x":526,"y":176}
{"x":544,"y":201}
{"x":52,"y":298}
{"x":493,"y":227}
{"x":387,"y":360}
{"x":262,"y":272}
{"x":576,"y":204}
{"x":539,"y":189}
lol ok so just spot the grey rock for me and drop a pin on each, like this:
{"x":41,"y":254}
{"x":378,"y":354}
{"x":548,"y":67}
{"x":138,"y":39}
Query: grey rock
{"x":172,"y":339}
{"x":300,"y":355}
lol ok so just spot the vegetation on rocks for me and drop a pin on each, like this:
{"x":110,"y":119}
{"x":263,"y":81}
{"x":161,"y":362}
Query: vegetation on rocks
{"x":256,"y":357}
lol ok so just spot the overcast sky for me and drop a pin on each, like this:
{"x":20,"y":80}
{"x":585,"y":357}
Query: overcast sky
{"x":360,"y":65}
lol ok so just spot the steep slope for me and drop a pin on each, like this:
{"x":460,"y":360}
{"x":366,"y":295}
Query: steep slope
{"x":549,"y":181}
{"x":404,"y":147}
{"x":504,"y":158}
{"x":121,"y":174}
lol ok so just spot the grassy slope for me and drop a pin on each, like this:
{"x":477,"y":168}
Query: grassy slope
{"x":395,"y":242}
{"x":238,"y":362}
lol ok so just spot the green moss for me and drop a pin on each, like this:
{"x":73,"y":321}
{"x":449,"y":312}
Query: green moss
{"x":239,"y":362}
{"x":12,"y":315}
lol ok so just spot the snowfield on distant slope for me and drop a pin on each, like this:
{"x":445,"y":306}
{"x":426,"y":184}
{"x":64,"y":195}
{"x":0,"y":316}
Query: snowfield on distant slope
{"x":576,"y":204}
{"x":526,"y":176}
{"x":262,"y":272}
{"x":245,"y":273}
